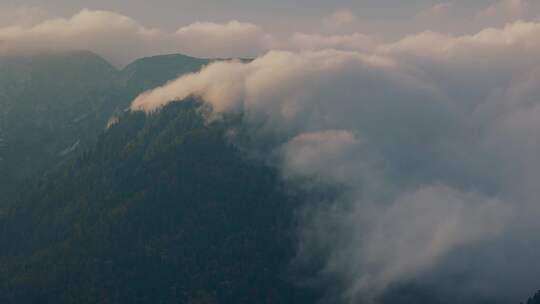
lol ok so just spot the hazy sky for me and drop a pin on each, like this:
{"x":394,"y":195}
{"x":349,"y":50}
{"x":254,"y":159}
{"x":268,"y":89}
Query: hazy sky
{"x":390,"y":17}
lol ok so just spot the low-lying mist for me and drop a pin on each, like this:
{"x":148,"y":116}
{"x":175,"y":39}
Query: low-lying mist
{"x":431,"y":139}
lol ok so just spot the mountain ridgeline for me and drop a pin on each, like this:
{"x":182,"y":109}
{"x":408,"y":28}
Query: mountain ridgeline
{"x":53,"y":106}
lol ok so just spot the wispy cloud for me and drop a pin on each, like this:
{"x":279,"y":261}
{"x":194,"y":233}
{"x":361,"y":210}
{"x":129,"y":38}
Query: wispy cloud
{"x":121,"y":39}
{"x":428,"y":137}
{"x":503,"y":11}
{"x":340,"y":18}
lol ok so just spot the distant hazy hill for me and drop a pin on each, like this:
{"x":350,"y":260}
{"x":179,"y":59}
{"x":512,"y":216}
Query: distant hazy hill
{"x":162,"y":210}
{"x":148,"y":73}
{"x":52,"y":106}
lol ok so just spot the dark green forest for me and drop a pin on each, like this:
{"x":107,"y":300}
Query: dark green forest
{"x":53,"y":106}
{"x":162,"y":210}
{"x":535,"y":299}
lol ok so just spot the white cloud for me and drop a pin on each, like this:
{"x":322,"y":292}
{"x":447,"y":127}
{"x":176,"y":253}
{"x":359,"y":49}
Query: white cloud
{"x":239,"y":86}
{"x":340,"y":18}
{"x":415,"y":232}
{"x":436,"y":13}
{"x":350,"y":42}
{"x":107,"y":33}
{"x":121,"y":39}
{"x":518,"y":36}
{"x":21,"y":16}
{"x":503,"y":11}
{"x":458,"y":18}
{"x":428,"y":138}
{"x":318,"y":155}
{"x":230,"y":40}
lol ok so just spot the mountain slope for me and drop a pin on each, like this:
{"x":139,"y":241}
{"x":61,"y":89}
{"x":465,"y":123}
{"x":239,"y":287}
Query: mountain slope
{"x":53,"y":106}
{"x":535,"y":299}
{"x":150,"y":72}
{"x":49,"y":104}
{"x":162,"y":210}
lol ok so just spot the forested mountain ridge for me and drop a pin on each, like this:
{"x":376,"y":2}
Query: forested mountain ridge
{"x":150,"y":72}
{"x":49,"y":105}
{"x":534,"y":300}
{"x":162,"y":210}
{"x":53,"y":105}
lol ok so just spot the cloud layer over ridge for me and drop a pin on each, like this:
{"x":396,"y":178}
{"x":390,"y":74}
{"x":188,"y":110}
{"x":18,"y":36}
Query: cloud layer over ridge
{"x":432,"y":139}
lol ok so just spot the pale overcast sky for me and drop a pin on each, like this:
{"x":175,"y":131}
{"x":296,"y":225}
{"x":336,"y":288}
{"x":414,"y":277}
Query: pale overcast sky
{"x":122,"y":30}
{"x":375,"y":16}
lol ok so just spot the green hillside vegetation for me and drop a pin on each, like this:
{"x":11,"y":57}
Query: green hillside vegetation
{"x":53,"y":106}
{"x":148,"y":73}
{"x":535,"y":299}
{"x":162,"y":210}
